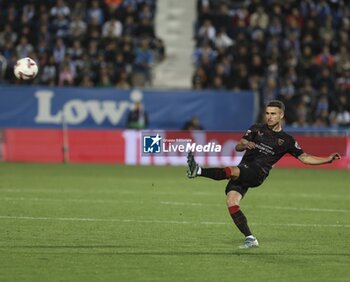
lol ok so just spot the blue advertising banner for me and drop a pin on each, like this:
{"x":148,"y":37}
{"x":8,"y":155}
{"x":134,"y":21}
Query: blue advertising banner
{"x":41,"y":107}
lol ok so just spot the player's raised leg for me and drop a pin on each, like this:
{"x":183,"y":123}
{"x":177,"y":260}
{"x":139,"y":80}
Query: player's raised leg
{"x":215,"y":173}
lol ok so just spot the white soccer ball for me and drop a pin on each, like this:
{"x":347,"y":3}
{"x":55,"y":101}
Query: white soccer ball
{"x":25,"y":69}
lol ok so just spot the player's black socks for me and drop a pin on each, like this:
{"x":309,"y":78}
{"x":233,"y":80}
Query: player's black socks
{"x":216,"y":173}
{"x":240,"y":220}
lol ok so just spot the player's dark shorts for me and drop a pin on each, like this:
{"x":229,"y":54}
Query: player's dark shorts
{"x":250,"y":176}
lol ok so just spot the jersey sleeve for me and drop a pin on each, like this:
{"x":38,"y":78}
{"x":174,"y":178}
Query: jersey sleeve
{"x":251,"y":132}
{"x":295,"y":150}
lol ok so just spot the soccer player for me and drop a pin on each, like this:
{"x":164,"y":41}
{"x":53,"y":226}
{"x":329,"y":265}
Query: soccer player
{"x":264,"y":144}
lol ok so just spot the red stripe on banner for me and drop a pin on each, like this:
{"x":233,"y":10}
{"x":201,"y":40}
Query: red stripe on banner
{"x":46,"y":145}
{"x":105,"y":146}
{"x":125,"y":147}
{"x":27,"y":145}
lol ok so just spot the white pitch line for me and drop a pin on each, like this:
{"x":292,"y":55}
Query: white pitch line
{"x":96,"y":219}
{"x":304,"y":225}
{"x":103,"y":201}
{"x":187,"y":204}
{"x":303,"y":209}
{"x":95,"y":201}
{"x":260,"y":207}
{"x":115,"y":191}
{"x":164,"y":221}
{"x":303,"y":195}
{"x":179,"y":192}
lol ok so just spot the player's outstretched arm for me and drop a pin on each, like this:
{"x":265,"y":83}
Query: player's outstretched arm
{"x":313,"y":160}
{"x":244,"y":144}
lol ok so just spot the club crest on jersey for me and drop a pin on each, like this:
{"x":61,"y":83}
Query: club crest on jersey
{"x":280,"y":141}
{"x":297,"y":145}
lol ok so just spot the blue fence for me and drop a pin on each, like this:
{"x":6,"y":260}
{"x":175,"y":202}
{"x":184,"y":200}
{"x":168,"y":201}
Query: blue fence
{"x":38,"y":107}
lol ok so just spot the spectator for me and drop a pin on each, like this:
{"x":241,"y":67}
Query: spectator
{"x":48,"y":74}
{"x":66,"y":77}
{"x":218,"y":83}
{"x":3,"y":66}
{"x":207,"y":31}
{"x":7,"y":35}
{"x":137,"y":117}
{"x":222,"y":19}
{"x":61,"y":9}
{"x":306,"y":65}
{"x":193,"y":124}
{"x":344,"y":79}
{"x":59,"y":51}
{"x":295,"y":20}
{"x":222,"y":39}
{"x":144,"y":60}
{"x":242,"y":77}
{"x":28,"y":13}
{"x":301,"y":115}
{"x":112,"y":29}
{"x":145,"y":13}
{"x":12,"y":17}
{"x":199,"y":80}
{"x":204,"y":51}
{"x":145,"y":29}
{"x":275,"y":28}
{"x":159,"y":48}
{"x":95,"y":13}
{"x":259,"y":19}
{"x":130,"y":27}
{"x":322,"y":106}
{"x":341,"y":59}
{"x":24,"y":48}
{"x":60,"y":26}
{"x":269,"y":91}
{"x":86,"y":82}
{"x":113,"y":5}
{"x":76,"y":51}
{"x":105,"y":79}
{"x":274,"y":53}
{"x":256,"y":66}
{"x":78,"y":28}
{"x":8,"y":50}
{"x":325,"y":58}
{"x":323,"y":10}
{"x":341,"y":115}
{"x":123,"y":80}
{"x":321,"y":120}
{"x":79,"y":10}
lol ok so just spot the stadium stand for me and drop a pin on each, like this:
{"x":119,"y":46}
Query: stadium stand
{"x":174,"y":22}
{"x":297,"y":51}
{"x":81,"y":43}
{"x":294,"y":50}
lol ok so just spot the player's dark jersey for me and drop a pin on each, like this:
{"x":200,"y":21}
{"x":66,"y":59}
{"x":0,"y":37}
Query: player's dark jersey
{"x":270,"y":147}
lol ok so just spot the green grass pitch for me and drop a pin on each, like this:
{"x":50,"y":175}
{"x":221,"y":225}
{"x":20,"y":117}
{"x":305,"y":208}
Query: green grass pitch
{"x":120,"y":223}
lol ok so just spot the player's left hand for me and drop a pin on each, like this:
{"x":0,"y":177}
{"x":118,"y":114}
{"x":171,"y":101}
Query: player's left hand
{"x":334,"y":157}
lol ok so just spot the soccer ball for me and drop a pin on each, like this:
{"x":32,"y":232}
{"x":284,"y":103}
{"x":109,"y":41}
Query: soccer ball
{"x":25,"y":69}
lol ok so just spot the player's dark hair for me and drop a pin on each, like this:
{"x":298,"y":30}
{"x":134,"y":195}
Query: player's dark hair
{"x":276,"y":103}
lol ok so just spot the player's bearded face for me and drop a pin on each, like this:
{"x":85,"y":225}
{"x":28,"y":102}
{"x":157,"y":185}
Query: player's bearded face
{"x":273,"y":116}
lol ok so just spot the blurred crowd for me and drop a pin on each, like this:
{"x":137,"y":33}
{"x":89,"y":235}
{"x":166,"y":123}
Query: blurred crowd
{"x":102,"y":43}
{"x":293,"y":50}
